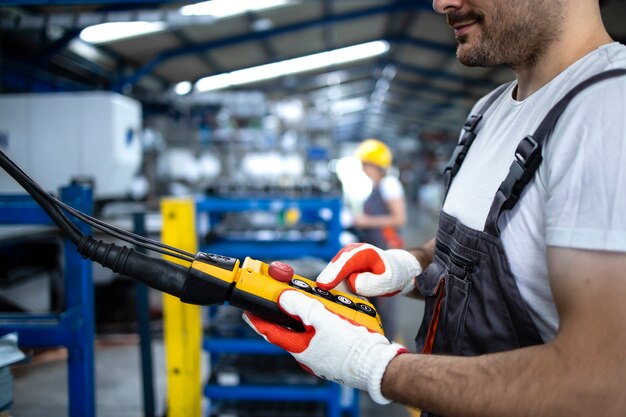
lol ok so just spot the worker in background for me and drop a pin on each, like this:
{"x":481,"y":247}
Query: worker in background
{"x":384,"y":214}
{"x":384,"y":210}
{"x":525,"y":281}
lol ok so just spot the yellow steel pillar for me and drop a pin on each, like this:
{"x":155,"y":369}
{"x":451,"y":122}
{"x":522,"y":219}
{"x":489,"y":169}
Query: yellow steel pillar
{"x":182,"y":322}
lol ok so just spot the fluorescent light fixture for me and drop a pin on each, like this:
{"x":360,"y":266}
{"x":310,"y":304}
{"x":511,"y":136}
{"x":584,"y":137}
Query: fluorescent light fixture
{"x":389,"y":71}
{"x":293,"y":66}
{"x":107,"y":32}
{"x":349,"y":106}
{"x":183,"y":88}
{"x":218,"y":9}
{"x":91,"y":53}
{"x":226,"y":8}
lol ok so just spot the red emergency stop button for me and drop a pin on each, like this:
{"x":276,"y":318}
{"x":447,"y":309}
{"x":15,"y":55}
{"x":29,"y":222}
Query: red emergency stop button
{"x":280,"y":271}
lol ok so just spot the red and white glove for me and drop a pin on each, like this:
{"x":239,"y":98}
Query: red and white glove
{"x":331,"y":347}
{"x":371,"y":271}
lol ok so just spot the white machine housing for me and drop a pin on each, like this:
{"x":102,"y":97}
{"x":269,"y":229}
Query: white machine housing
{"x":56,"y":137}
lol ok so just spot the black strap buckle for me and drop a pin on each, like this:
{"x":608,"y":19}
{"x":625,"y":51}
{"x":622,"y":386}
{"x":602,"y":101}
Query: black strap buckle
{"x":471,"y":122}
{"x":460,"y":151}
{"x":527,"y":160}
{"x":455,"y":161}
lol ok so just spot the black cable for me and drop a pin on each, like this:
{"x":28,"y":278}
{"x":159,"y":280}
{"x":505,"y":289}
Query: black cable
{"x":19,"y":175}
{"x":55,"y":214}
{"x":156,"y":273}
{"x":125,"y":235}
{"x":35,"y":190}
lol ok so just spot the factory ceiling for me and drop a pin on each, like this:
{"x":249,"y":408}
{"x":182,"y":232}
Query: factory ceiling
{"x":412,"y":86}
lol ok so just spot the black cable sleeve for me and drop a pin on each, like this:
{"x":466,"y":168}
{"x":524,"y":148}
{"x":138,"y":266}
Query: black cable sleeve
{"x":154,"y":272}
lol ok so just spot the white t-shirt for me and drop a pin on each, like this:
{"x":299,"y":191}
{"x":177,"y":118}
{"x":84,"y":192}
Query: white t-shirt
{"x":577,"y":198}
{"x":391,"y":188}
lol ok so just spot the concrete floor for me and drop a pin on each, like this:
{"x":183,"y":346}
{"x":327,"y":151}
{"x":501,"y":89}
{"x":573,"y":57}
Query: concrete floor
{"x":40,"y":389}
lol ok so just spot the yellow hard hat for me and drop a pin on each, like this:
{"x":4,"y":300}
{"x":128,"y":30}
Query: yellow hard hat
{"x":373,"y":151}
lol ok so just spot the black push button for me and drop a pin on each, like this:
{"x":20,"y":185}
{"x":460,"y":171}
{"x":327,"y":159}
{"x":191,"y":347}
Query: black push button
{"x":323,"y":293}
{"x":343,"y":300}
{"x":366,"y":309}
{"x":301,"y":285}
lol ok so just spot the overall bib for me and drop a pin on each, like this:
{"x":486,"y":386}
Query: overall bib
{"x":473,"y":304}
{"x":382,"y":237}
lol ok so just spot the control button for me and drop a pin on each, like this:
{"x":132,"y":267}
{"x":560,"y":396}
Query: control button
{"x":280,"y":271}
{"x":323,"y":293}
{"x":344,"y":301}
{"x":366,"y":309}
{"x":298,"y":283}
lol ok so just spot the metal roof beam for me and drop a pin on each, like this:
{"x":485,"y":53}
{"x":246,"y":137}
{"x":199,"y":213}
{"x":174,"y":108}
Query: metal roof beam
{"x":143,"y":3}
{"x":57,"y":46}
{"x":205,"y":58}
{"x":327,"y":34}
{"x":26,"y":78}
{"x":256,"y":36}
{"x":268,"y":49}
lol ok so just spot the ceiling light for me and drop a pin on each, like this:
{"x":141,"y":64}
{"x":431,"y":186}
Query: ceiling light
{"x":261,"y":25}
{"x":389,"y":71}
{"x":183,"y":88}
{"x":292,"y":66}
{"x":226,"y":8}
{"x":107,"y":32}
{"x":349,"y":106}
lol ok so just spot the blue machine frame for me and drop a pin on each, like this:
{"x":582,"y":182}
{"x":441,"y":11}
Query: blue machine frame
{"x":74,"y":327}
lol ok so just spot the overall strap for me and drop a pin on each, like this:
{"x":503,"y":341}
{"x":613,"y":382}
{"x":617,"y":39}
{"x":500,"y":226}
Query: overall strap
{"x":470,"y":130}
{"x":528,"y":154}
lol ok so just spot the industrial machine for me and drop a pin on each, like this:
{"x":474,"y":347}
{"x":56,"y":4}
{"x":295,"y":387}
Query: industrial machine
{"x":59,"y":136}
{"x":209,"y":279}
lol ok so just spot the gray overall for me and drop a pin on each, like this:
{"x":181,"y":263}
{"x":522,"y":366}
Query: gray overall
{"x":473,"y":305}
{"x":375,"y":205}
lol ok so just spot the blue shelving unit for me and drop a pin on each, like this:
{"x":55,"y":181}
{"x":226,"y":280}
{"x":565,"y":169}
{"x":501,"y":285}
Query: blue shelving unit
{"x":311,"y":208}
{"x":328,"y":393}
{"x":74,"y":327}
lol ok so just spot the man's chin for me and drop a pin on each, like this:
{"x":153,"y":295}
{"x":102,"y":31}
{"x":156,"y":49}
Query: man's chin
{"x":468,"y":57}
{"x":463,"y":53}
{"x":476,"y":57}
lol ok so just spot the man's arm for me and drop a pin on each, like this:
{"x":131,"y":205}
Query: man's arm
{"x":581,"y":372}
{"x":424,"y":254}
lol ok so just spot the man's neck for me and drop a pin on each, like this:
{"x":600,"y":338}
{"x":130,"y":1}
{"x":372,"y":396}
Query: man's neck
{"x":563,"y":52}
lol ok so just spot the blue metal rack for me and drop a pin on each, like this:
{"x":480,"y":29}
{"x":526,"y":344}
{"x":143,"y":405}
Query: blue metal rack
{"x":275,"y":249}
{"x":143,"y":325}
{"x":74,"y":327}
{"x":329,"y":393}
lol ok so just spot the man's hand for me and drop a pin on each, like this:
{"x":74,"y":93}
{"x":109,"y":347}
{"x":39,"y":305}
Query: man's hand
{"x":371,"y":271}
{"x":331,"y":347}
